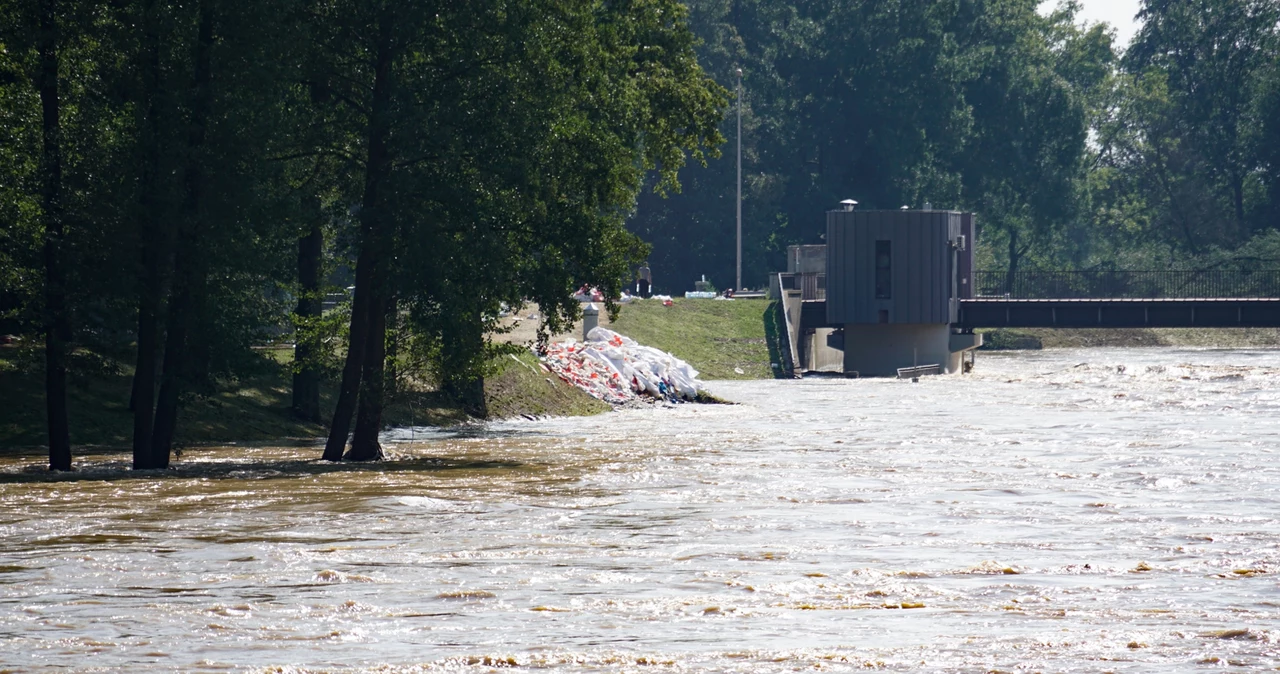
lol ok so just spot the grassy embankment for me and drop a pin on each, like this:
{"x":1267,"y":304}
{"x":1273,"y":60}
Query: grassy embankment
{"x":713,"y":336}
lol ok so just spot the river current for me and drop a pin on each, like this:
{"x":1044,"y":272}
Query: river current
{"x":1100,"y":510}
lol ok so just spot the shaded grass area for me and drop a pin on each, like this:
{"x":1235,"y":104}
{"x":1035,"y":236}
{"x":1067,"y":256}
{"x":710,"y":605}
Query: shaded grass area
{"x":520,"y":387}
{"x":253,"y":408}
{"x":1075,"y":338}
{"x":713,"y":336}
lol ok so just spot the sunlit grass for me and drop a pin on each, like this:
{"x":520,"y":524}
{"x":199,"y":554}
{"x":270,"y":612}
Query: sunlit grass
{"x":713,"y":336}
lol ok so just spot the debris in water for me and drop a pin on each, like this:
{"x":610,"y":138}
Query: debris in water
{"x":466,"y":594}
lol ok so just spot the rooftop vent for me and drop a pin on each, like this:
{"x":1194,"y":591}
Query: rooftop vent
{"x":849,"y":204}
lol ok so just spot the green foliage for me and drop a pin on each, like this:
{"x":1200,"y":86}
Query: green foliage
{"x":1071,"y":155}
{"x":980,"y":105}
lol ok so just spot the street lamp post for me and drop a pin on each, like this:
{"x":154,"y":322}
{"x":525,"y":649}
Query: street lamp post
{"x":738,"y":284}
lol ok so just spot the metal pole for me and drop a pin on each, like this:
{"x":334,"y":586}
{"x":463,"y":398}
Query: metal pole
{"x":738,"y":284}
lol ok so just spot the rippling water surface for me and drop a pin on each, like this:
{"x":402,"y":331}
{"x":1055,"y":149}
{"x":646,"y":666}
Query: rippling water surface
{"x":1062,"y":511}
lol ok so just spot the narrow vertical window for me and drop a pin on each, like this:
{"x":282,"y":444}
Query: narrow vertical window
{"x":884,"y":270}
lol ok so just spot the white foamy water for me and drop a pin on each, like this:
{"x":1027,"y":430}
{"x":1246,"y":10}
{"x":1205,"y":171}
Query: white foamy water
{"x":1101,"y":510}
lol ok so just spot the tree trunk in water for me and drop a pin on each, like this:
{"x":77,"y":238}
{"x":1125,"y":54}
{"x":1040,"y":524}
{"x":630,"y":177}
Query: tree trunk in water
{"x":151,"y":278}
{"x":366,"y":303}
{"x":364,"y":441}
{"x":190,"y":282}
{"x":354,"y":365}
{"x":171,"y":379}
{"x":306,"y":378}
{"x":57,"y":324}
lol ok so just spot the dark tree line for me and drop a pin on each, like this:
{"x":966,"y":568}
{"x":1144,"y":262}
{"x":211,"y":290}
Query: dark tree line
{"x":179,"y":179}
{"x":1073,"y":152}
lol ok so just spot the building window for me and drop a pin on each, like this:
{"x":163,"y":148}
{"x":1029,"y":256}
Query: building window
{"x":884,"y":270}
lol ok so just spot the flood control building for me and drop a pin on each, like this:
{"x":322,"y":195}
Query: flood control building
{"x":887,"y":296}
{"x":894,"y":280}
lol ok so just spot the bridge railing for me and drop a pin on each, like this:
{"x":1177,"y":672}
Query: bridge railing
{"x":1127,"y":284}
{"x":812,"y":285}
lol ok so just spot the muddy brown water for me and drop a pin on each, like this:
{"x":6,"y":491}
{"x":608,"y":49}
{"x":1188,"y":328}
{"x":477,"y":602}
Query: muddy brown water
{"x":1102,"y":510}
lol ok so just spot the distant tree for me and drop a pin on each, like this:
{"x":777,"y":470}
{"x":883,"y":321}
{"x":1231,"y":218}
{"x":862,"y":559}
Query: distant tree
{"x":1205,"y":61}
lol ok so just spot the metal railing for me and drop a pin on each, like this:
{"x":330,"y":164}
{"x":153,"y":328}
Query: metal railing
{"x":812,"y":285}
{"x":1127,"y":284}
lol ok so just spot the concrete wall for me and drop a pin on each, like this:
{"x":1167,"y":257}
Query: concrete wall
{"x":825,"y":350}
{"x":879,"y":350}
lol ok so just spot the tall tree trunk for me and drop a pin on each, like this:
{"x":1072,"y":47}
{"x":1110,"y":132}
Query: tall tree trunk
{"x":154,"y":250}
{"x":57,"y":324}
{"x":306,"y":376}
{"x":190,"y":275}
{"x":366,"y":302}
{"x":348,"y":390}
{"x":364,"y":441}
{"x":166,"y":418}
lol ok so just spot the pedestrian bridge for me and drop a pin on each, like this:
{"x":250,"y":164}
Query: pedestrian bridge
{"x":1097,"y":299}
{"x":1123,"y":299}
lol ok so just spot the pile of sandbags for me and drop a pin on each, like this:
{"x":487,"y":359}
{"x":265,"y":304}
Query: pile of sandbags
{"x":616,"y":369}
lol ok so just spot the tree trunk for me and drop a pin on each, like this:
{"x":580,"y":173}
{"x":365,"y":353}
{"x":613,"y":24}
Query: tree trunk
{"x":166,"y":418}
{"x":306,"y":377}
{"x":366,"y":302}
{"x":354,"y":365}
{"x":57,"y":324}
{"x":154,"y":250}
{"x":190,"y":280}
{"x":364,"y":441}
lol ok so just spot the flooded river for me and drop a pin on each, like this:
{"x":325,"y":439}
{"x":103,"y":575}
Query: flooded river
{"x":1103,"y":510}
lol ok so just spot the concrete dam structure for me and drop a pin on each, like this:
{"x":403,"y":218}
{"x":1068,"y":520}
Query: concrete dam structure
{"x":886,"y":297}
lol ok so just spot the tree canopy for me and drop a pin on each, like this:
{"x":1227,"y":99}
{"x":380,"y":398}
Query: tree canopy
{"x":1073,"y":152}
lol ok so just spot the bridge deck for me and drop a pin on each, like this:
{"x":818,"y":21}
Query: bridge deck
{"x":1182,"y":312}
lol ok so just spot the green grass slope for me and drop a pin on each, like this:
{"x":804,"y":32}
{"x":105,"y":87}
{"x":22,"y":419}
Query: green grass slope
{"x":713,"y":336}
{"x":520,"y":387}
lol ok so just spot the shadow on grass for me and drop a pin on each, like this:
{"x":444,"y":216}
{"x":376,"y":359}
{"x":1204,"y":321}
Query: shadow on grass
{"x":775,"y":334}
{"x":112,"y":471}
